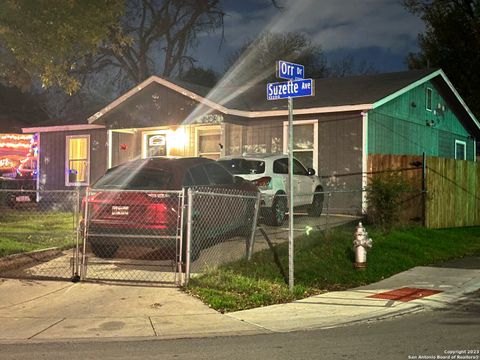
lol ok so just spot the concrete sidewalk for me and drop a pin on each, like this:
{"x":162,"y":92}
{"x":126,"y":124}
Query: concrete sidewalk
{"x":50,"y":311}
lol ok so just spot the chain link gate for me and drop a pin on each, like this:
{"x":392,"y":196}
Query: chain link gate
{"x":38,"y":232}
{"x":131,"y":235}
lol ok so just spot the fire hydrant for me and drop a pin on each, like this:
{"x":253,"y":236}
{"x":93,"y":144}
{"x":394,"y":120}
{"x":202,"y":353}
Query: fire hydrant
{"x":360,"y":244}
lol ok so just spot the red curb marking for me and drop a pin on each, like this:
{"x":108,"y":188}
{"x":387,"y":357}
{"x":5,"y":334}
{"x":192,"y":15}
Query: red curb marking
{"x":405,"y":294}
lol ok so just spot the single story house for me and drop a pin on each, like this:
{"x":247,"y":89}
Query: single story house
{"x":335,"y":131}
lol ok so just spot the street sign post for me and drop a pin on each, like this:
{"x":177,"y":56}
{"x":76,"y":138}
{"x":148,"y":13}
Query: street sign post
{"x":297,"y":86}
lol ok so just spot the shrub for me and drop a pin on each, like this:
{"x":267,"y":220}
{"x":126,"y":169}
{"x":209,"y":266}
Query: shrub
{"x":384,"y":199}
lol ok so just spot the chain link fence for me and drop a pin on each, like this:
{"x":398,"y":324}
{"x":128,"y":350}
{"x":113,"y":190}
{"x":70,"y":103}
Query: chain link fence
{"x":220,"y":227}
{"x":223,"y":227}
{"x":131,"y":235}
{"x":156,"y":236}
{"x":38,"y":233}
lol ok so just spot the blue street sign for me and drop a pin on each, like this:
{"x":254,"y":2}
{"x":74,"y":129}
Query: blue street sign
{"x":290,"y":89}
{"x":289,"y":71}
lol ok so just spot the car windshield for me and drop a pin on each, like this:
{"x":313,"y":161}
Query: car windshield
{"x":127,"y":178}
{"x":243,"y":166}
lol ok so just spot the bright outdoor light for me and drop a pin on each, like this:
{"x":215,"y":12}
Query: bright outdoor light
{"x":177,"y":139}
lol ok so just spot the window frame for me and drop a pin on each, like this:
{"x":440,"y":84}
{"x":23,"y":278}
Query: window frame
{"x":207,"y":130}
{"x":67,"y":168}
{"x":313,"y":122}
{"x":429,"y":107}
{"x":464,"y":144}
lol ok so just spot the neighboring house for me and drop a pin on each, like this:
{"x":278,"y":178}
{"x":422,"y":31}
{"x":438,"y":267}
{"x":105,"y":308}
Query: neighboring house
{"x":334,"y":132}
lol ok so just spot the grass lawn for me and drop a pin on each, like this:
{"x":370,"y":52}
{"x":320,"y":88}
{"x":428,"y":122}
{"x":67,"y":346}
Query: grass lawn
{"x":28,"y":230}
{"x":326,"y":263}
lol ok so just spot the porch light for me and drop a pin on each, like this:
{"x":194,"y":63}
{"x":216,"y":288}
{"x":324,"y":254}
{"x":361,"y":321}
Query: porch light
{"x":177,"y":138}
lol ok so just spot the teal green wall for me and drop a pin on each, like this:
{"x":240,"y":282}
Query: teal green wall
{"x":397,"y":127}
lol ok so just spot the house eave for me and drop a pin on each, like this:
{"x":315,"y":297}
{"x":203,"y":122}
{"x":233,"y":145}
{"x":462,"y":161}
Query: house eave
{"x":41,"y":129}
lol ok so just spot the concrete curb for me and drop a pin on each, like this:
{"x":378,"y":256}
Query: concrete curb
{"x":15,"y":261}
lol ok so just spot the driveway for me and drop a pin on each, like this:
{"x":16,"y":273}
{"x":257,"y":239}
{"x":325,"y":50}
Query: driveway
{"x":124,"y":268}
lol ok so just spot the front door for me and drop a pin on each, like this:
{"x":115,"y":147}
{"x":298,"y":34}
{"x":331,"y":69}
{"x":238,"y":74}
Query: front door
{"x":156,"y":145}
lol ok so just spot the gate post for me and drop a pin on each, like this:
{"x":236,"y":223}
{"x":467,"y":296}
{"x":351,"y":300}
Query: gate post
{"x":76,"y":255}
{"x":83,"y":270}
{"x":189,"y":235}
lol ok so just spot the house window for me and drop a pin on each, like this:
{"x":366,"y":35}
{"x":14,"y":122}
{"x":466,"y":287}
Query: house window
{"x":208,"y":143}
{"x":77,"y":160}
{"x":428,"y":99}
{"x":305,"y":142}
{"x":460,"y":150}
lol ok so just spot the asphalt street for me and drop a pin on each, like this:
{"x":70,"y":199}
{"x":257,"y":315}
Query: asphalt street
{"x":427,"y":335}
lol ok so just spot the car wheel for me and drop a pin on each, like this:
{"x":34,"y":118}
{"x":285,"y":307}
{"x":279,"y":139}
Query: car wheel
{"x":104,"y":251}
{"x":278,"y":211}
{"x":317,"y":204}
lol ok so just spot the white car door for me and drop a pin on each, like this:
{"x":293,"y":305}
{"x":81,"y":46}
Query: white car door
{"x":304,"y":184}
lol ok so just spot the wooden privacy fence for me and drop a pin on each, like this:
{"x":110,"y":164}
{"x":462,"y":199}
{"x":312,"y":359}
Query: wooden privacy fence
{"x":410,"y":168}
{"x":453,"y":193}
{"x":452,"y":189}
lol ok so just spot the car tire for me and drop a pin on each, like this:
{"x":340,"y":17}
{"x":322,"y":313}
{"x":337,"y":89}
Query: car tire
{"x":105,"y":251}
{"x":277,"y":214}
{"x":317,"y":204}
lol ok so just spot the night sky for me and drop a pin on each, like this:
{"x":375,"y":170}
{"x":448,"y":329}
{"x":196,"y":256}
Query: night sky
{"x":380,"y":32}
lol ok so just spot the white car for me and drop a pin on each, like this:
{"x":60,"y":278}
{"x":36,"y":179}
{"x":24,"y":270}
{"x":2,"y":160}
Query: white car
{"x":270,"y":173}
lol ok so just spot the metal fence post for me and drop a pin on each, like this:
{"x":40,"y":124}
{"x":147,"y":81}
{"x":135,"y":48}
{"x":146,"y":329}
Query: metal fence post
{"x":189,"y":235}
{"x":328,"y":211}
{"x":180,"y":237}
{"x":83,"y":269}
{"x":424,"y":189}
{"x":76,"y":257}
{"x":254,"y":227}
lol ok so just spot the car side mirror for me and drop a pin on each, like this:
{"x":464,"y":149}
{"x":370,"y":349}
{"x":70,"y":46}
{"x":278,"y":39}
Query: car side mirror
{"x":310,"y":171}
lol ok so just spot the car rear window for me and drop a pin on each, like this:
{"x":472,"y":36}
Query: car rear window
{"x":127,"y":178}
{"x":243,"y":166}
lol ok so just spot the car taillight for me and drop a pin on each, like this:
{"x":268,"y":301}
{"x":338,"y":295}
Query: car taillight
{"x":263,"y":183}
{"x":157,"y":213}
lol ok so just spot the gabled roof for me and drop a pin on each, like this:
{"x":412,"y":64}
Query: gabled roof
{"x":355,"y":93}
{"x":332,"y":92}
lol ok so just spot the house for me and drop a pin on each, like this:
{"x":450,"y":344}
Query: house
{"x":335,"y":131}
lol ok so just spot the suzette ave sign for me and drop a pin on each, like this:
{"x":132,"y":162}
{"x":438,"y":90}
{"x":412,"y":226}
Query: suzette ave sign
{"x":290,"y":89}
{"x":296,"y":87}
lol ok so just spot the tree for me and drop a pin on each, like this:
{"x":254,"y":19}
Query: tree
{"x":64,"y":42}
{"x":199,"y":76}
{"x":255,"y":61}
{"x":348,"y":66}
{"x":48,"y":38}
{"x":451,"y":42}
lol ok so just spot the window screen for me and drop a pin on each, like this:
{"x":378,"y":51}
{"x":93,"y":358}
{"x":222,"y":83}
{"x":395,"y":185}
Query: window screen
{"x":428,"y":99}
{"x":460,"y":150}
{"x":77,"y":159}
